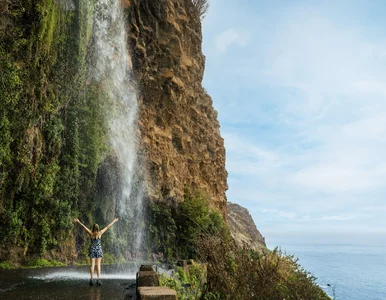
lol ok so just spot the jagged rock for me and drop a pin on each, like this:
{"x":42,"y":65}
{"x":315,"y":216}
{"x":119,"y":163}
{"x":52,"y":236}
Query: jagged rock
{"x":180,"y":142}
{"x":243,"y":229}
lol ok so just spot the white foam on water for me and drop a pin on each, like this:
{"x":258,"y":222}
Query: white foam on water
{"x":57,"y":276}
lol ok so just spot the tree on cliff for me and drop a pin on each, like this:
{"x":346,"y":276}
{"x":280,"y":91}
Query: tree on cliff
{"x":201,"y":6}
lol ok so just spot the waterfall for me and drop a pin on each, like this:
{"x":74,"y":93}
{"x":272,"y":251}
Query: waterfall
{"x":110,"y":69}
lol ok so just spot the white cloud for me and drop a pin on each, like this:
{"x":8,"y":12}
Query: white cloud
{"x":307,"y":218}
{"x":338,"y":218}
{"x":373,"y":87}
{"x":248,"y":149}
{"x":281,"y":214}
{"x":231,"y":36}
{"x":326,"y":63}
{"x":339,"y":178}
{"x":322,"y":151}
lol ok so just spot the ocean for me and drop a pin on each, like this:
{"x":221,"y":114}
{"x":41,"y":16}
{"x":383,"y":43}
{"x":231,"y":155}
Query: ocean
{"x":346,"y":271}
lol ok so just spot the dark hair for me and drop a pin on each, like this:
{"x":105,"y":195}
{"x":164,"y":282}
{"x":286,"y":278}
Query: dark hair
{"x":95,"y":228}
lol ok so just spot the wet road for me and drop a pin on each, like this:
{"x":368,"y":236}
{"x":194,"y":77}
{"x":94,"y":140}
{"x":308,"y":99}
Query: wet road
{"x":118,"y":282}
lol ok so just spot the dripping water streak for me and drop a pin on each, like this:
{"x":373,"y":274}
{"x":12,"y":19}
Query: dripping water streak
{"x":111,"y":70}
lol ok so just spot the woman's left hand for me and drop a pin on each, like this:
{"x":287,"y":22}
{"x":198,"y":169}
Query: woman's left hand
{"x":76,"y":221}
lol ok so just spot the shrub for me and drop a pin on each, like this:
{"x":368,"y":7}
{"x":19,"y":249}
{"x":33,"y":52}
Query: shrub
{"x":241,"y":273}
{"x":6,"y":265}
{"x":195,"y":219}
{"x":192,"y":229}
{"x":201,"y":7}
{"x":174,"y":229}
{"x":173,"y":282}
{"x":42,"y":263}
{"x":188,"y":286}
{"x":162,"y":229}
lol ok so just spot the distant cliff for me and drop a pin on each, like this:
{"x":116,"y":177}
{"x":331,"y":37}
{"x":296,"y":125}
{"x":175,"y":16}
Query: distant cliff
{"x":180,"y":139}
{"x":243,"y":228}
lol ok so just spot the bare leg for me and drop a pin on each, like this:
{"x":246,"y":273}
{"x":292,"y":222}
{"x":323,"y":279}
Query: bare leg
{"x":92,"y":267}
{"x":98,"y":263}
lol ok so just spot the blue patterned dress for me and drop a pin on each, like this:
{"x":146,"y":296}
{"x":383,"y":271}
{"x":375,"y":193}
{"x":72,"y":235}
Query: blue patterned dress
{"x":95,"y":250}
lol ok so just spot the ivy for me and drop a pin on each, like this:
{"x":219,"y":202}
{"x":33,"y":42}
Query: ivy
{"x":52,"y":133}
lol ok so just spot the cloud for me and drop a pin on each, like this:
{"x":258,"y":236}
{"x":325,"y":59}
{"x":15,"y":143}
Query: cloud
{"x":302,"y":111}
{"x":248,"y":149}
{"x":374,"y":87}
{"x":279,"y":213}
{"x":231,"y":36}
{"x":335,"y":178}
{"x":338,"y":218}
{"x":325,"y":63}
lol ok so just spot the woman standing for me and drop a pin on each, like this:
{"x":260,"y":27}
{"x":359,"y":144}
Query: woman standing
{"x":95,"y":251}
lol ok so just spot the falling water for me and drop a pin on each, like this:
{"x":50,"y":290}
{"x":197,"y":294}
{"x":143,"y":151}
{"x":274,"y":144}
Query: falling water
{"x":111,"y":70}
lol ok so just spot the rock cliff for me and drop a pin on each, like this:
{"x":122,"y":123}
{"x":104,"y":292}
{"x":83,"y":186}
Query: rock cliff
{"x":56,"y":161}
{"x":179,"y":133}
{"x":243,"y":229}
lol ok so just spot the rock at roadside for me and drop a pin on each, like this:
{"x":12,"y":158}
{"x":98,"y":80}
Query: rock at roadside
{"x":156,"y":293}
{"x":146,"y":268}
{"x":148,"y":286}
{"x":147,"y":278}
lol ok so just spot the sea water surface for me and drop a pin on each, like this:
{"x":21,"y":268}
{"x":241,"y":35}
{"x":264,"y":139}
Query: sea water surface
{"x":344,"y":271}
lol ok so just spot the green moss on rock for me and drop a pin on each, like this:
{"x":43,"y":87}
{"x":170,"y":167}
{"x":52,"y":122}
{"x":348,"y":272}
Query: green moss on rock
{"x":52,"y":133}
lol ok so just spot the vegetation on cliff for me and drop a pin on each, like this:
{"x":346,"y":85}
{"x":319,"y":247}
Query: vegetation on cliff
{"x":194,"y":230}
{"x":189,"y":284}
{"x":51,"y":129}
{"x":201,"y":7}
{"x":175,"y":228}
{"x":242,"y":273}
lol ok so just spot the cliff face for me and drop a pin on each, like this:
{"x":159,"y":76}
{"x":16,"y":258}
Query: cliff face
{"x":179,"y":131}
{"x":55,"y":161}
{"x":51,"y":131}
{"x":243,"y":229}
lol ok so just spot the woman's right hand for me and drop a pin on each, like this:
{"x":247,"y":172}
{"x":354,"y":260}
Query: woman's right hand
{"x":115,"y":220}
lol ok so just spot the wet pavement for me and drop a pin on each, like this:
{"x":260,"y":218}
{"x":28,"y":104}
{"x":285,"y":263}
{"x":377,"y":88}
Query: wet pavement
{"x":118,"y":282}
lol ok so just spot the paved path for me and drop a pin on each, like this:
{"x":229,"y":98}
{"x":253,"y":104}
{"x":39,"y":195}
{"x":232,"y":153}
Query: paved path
{"x":65,"y":283}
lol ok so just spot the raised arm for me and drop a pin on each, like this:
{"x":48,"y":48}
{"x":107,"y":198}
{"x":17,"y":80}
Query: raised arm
{"x":108,"y":226}
{"x":88,"y":230}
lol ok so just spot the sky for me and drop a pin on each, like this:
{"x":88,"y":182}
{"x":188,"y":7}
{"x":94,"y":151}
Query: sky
{"x":300,"y":90}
